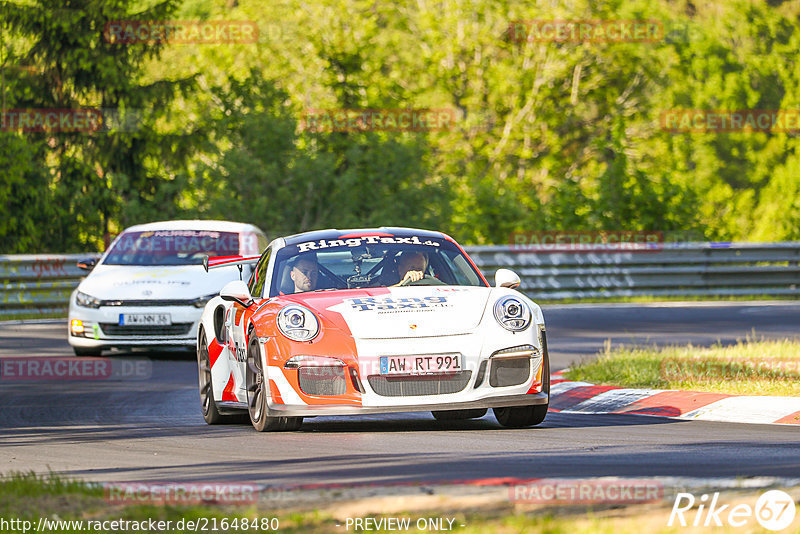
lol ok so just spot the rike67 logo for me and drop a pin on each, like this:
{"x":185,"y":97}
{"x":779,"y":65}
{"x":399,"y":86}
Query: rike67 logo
{"x":774,"y":510}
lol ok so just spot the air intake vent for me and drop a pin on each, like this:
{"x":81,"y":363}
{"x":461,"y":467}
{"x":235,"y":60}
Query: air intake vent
{"x":509,"y":371}
{"x":322,"y":380}
{"x":410,"y":386}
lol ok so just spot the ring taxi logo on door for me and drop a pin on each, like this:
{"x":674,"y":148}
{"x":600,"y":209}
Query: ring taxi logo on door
{"x":774,"y":510}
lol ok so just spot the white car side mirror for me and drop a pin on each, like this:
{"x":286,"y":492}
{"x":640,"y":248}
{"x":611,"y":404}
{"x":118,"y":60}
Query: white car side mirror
{"x":237,"y":291}
{"x":506,"y":278}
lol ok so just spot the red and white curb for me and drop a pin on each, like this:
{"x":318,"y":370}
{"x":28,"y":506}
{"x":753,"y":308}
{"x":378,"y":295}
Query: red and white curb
{"x":582,"y":397}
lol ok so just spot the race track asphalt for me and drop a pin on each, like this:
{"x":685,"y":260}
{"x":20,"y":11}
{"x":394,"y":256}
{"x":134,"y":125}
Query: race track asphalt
{"x":122,"y":430}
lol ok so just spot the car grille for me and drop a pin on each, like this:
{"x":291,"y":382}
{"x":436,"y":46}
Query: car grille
{"x":409,"y":386}
{"x":323,"y":380}
{"x":509,"y":371}
{"x":139,"y":303}
{"x":177,"y":329}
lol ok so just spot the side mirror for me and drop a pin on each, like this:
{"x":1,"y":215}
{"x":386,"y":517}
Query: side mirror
{"x":237,"y":291}
{"x":87,"y":264}
{"x":506,"y":278}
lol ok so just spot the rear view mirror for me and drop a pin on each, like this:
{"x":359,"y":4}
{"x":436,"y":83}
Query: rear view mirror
{"x":236,"y":291}
{"x":506,"y":278}
{"x":87,"y":264}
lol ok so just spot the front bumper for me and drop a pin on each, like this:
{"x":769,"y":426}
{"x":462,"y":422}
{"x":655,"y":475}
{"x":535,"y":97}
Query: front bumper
{"x":281,"y":410}
{"x":102,"y":329}
{"x":481,"y":386}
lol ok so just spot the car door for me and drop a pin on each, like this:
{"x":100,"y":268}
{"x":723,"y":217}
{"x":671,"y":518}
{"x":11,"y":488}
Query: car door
{"x":238,"y":320}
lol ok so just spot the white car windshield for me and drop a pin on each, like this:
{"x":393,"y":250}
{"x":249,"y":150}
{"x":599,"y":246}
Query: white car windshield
{"x":171,"y":247}
{"x":371,"y":261}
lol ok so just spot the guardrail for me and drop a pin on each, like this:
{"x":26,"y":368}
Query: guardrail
{"x":38,"y":284}
{"x":668,"y":269}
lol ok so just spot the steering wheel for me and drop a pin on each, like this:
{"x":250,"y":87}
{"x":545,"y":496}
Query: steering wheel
{"x":426,"y":280}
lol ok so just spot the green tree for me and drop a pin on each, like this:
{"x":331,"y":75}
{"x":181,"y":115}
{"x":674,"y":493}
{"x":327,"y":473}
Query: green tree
{"x":287,"y":181}
{"x":99,"y":180}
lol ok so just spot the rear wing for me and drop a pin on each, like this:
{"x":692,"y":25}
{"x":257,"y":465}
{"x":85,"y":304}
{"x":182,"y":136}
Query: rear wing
{"x":215,"y":262}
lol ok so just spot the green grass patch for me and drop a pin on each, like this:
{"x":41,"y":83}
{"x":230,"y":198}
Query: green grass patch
{"x":33,"y":316}
{"x":749,"y":367}
{"x":27,"y":496}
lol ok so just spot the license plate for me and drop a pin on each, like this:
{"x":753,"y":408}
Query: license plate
{"x":421,"y":364}
{"x":144,"y":319}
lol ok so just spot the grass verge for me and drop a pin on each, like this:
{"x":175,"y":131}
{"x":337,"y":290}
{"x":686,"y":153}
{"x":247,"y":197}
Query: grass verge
{"x":750,"y":367}
{"x":30,"y":497}
{"x":33,"y":316}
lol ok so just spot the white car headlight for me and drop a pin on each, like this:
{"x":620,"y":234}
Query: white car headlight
{"x":298,"y":323}
{"x":512,"y":313}
{"x":87,"y":301}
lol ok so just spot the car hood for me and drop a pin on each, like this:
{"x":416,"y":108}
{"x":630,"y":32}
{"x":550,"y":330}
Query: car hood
{"x":401,"y":312}
{"x":112,"y":282}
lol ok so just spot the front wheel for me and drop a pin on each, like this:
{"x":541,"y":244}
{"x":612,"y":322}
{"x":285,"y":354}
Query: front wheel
{"x":257,"y":393}
{"x":523,"y":416}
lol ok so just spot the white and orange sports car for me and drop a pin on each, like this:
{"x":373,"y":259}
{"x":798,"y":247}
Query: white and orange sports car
{"x":348,"y":322}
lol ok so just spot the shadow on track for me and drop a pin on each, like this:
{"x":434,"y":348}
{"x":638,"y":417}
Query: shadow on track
{"x":700,"y":459}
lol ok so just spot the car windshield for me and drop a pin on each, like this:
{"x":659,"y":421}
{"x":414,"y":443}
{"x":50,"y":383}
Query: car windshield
{"x":171,"y":247}
{"x":370,"y":261}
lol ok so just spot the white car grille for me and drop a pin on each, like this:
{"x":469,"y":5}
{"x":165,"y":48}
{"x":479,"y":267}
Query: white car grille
{"x":176,"y":329}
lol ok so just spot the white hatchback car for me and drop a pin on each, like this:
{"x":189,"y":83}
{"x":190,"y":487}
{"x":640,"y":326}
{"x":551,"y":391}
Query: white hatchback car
{"x":149,"y":288}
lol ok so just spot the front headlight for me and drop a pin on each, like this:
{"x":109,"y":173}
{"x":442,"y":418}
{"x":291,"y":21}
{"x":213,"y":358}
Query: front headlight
{"x":512,"y":313}
{"x":298,"y":323}
{"x":87,"y":301}
{"x":200,"y":302}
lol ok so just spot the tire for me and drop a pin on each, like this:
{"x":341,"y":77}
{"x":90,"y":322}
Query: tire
{"x":524,"y":416}
{"x":82,"y":351}
{"x":258,"y":392}
{"x":207,"y":405}
{"x":459,"y":415}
